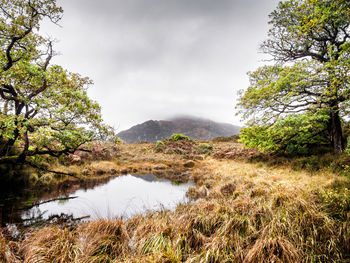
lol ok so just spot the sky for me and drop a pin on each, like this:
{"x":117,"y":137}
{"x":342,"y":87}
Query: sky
{"x":156,"y":59}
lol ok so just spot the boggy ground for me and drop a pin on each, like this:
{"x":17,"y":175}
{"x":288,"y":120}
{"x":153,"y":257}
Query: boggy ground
{"x":102,"y":163}
{"x":247,"y":211}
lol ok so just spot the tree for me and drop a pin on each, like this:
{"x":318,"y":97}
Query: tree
{"x":309,"y":40}
{"x":44,"y":109}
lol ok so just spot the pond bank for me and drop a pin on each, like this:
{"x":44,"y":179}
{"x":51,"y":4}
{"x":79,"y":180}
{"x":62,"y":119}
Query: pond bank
{"x":123,"y":196}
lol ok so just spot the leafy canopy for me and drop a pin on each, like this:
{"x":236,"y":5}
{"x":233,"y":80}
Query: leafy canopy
{"x":301,"y":100}
{"x":44,"y":109}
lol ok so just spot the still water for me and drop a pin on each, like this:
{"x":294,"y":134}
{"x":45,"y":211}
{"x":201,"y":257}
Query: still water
{"x":123,"y":196}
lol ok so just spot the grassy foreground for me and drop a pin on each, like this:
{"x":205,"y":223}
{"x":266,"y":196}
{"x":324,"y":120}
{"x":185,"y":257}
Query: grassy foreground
{"x":246,"y":212}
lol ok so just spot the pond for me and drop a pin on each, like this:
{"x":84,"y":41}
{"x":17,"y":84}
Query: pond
{"x":124,"y":196}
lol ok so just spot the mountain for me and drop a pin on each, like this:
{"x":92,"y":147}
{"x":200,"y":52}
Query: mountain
{"x":195,"y":128}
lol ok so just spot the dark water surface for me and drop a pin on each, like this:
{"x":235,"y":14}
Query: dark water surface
{"x":124,"y":196}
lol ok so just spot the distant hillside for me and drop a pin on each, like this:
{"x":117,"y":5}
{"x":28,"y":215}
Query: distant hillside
{"x":201,"y":129}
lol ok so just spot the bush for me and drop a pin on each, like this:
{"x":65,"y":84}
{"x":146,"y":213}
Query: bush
{"x":340,"y":164}
{"x":233,"y":138}
{"x":159,"y":144}
{"x":177,"y":137}
{"x":295,"y":135}
{"x":205,"y":148}
{"x":311,"y":163}
{"x":117,"y":141}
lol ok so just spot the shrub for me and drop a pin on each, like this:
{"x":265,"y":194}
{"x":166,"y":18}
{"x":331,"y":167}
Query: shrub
{"x":117,"y":141}
{"x":177,"y":137}
{"x":295,"y":135}
{"x":205,"y":148}
{"x":340,"y":164}
{"x":159,"y":144}
{"x":233,"y":138}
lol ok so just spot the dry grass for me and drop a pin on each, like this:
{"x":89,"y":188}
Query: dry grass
{"x":102,"y":241}
{"x":7,"y":251}
{"x":247,"y":213}
{"x":134,"y":158}
{"x":272,"y":250}
{"x":50,"y":244}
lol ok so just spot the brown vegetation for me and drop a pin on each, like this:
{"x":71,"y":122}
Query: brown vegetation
{"x":246,"y":212}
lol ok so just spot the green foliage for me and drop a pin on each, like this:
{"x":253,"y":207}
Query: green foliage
{"x":117,"y":141}
{"x":294,"y":134}
{"x":314,"y":35}
{"x":155,"y":244}
{"x":159,"y":144}
{"x":178,"y":137}
{"x":44,"y":109}
{"x":314,"y":163}
{"x":347,"y":149}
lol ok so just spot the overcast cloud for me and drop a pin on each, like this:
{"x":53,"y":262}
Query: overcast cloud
{"x":153,"y":59}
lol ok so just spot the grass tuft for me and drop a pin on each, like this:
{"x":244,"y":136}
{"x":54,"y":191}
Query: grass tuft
{"x":102,"y":241}
{"x":278,"y":250}
{"x":50,"y":244}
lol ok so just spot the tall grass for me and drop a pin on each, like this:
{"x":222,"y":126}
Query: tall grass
{"x":250,"y":213}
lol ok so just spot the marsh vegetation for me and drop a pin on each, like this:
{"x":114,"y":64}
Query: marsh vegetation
{"x":261,"y":210}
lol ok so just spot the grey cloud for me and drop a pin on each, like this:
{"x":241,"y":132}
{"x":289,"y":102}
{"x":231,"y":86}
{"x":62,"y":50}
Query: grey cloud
{"x":156,"y":10}
{"x":156,"y":58}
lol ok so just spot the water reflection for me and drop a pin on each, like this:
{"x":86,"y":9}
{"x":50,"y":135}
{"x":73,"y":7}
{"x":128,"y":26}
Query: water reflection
{"x":16,"y":198}
{"x":123,"y":196}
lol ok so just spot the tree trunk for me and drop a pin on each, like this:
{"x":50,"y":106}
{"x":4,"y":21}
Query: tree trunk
{"x":336,"y":132}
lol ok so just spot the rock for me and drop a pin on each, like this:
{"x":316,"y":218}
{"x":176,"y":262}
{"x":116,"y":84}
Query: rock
{"x":189,"y":164}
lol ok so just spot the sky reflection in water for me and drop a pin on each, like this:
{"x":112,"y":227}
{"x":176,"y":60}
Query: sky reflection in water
{"x":124,"y":196}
